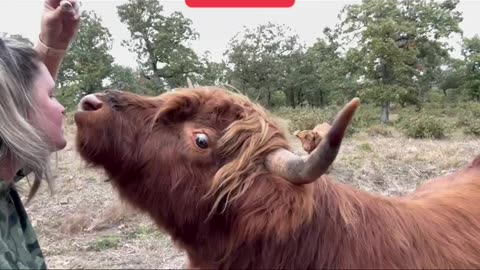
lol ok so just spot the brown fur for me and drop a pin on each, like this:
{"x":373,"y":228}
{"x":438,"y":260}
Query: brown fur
{"x":227,"y":211}
{"x":311,"y":138}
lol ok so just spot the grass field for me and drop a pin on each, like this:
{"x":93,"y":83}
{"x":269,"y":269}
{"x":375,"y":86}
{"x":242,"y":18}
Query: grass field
{"x":84,"y":225}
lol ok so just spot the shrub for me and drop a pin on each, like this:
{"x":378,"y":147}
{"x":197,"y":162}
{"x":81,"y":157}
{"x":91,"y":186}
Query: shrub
{"x":366,"y":116}
{"x":105,"y":243}
{"x":365,"y":147}
{"x":472,"y":127}
{"x":469,"y":118}
{"x":304,"y":117}
{"x":423,"y":126}
{"x":380,"y":130}
{"x":471,"y":108}
{"x":308,"y":117}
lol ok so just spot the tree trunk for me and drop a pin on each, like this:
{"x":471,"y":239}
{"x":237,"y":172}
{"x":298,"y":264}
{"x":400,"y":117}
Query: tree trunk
{"x":385,"y":117}
{"x":269,"y":98}
{"x":322,"y":99}
{"x":291,"y":97}
{"x":299,"y":95}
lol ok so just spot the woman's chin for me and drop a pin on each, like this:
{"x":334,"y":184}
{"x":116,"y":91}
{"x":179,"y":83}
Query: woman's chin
{"x":59,"y":144}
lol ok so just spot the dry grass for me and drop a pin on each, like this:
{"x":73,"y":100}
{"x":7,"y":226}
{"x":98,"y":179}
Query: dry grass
{"x":84,"y":225}
{"x":394,"y":166}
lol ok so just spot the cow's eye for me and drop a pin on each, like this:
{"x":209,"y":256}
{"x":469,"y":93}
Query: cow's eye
{"x":201,"y":140}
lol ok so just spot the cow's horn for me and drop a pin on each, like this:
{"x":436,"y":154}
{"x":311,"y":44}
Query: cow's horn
{"x":305,"y":170}
{"x":189,"y":83}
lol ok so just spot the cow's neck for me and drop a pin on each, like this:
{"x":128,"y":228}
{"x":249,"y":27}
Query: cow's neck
{"x":355,"y":226}
{"x":342,"y":219}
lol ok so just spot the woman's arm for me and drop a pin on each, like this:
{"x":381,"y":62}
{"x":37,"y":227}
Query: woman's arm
{"x":59,"y":25}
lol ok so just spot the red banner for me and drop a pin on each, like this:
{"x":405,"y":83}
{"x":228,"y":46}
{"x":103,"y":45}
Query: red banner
{"x":240,"y":3}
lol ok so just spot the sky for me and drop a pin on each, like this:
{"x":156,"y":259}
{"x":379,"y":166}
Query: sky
{"x":216,"y":27}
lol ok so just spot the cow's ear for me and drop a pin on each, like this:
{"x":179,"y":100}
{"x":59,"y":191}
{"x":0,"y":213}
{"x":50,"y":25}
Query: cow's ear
{"x":226,"y":112}
{"x":178,"y":108}
{"x":316,"y":137}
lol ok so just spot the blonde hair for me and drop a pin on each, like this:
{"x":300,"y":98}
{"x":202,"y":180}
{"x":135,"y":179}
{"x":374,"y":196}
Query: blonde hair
{"x":19,"y":140}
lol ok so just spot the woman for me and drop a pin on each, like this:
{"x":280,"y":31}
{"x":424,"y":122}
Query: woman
{"x":30,"y":125}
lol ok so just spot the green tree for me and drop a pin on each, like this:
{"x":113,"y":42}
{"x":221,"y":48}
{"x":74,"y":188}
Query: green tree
{"x":471,"y":52}
{"x":211,"y":73}
{"x":388,"y":67}
{"x":452,"y":79}
{"x":88,"y":62}
{"x":122,"y":78}
{"x":131,"y":80}
{"x":435,"y":23}
{"x":326,"y":75}
{"x":160,"y":43}
{"x":256,"y":58}
{"x":402,"y":44}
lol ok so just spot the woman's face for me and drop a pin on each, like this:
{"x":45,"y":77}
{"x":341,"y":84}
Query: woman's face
{"x":51,"y":112}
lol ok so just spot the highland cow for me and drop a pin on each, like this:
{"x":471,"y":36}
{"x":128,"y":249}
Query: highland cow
{"x":216,"y":173}
{"x":310,"y":139}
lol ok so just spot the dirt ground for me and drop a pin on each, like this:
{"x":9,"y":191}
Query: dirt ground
{"x":84,"y":225}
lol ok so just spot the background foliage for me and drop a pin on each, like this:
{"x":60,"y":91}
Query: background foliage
{"x":394,"y":54}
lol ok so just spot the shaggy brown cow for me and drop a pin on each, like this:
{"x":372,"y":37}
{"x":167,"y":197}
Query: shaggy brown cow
{"x":216,"y":173}
{"x":310,"y":139}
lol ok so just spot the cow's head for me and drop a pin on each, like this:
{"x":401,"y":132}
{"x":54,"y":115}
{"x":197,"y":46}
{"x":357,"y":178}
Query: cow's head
{"x":309,"y":139}
{"x":195,"y":151}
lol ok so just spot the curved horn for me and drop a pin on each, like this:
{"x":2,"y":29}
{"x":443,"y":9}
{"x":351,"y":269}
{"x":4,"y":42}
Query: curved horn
{"x":189,"y":83}
{"x":304,"y":170}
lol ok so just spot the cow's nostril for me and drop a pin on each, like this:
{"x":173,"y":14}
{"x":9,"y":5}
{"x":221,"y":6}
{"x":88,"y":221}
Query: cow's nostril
{"x":90,"y":103}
